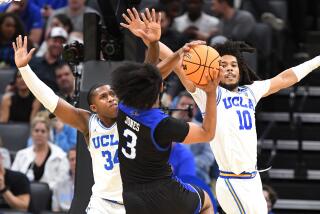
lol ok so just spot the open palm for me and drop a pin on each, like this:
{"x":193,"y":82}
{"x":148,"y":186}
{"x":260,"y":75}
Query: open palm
{"x":21,"y":55}
{"x":148,"y":29}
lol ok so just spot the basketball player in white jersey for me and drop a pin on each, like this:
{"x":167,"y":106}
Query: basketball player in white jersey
{"x":239,"y":188}
{"x":99,"y":130}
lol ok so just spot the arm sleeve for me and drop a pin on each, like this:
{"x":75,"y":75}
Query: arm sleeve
{"x":171,"y":130}
{"x":40,"y":90}
{"x":259,"y":88}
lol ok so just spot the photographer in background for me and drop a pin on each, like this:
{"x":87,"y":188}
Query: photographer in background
{"x":45,"y":66}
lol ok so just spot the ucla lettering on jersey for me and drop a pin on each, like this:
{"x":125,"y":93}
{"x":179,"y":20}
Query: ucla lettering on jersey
{"x":103,"y":147}
{"x":235,"y":142}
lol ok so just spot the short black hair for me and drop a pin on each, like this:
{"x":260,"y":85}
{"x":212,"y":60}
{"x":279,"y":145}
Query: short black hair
{"x":91,"y":92}
{"x":235,"y":48}
{"x":229,"y":2}
{"x":65,"y":20}
{"x":137,"y":85}
{"x":61,"y":64}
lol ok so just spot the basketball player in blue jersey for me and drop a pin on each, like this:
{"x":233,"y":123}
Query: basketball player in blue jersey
{"x":239,"y":188}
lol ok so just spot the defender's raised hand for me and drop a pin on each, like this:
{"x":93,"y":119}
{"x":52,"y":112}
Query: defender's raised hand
{"x":134,"y":23}
{"x":149,"y":30}
{"x":21,"y":55}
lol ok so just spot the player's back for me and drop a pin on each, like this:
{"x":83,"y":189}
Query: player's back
{"x":142,"y":159}
{"x":103,"y":147}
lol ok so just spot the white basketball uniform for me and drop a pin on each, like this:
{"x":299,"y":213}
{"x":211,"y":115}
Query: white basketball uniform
{"x":107,"y":189}
{"x":238,"y":188}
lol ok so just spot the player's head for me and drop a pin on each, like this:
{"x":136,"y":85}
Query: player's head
{"x":234,"y":70}
{"x":103,"y":101}
{"x":137,"y":85}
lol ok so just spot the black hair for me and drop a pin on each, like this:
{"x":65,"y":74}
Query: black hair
{"x":65,"y":20}
{"x":184,"y":93}
{"x":137,"y":85}
{"x":61,"y":64}
{"x":229,"y":2}
{"x":19,"y":25}
{"x":235,"y":48}
{"x":91,"y":92}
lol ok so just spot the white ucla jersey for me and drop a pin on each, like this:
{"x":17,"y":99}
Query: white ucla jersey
{"x":235,"y":142}
{"x":103,"y":147}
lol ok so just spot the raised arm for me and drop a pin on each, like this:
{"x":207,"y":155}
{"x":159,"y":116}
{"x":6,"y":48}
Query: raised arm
{"x":78,"y":118}
{"x":206,"y":132}
{"x":148,"y":29}
{"x":293,"y":75}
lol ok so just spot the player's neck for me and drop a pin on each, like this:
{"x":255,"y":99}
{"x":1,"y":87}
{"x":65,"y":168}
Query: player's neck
{"x":107,"y":122}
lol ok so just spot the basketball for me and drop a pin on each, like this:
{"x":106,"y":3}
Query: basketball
{"x":200,"y":60}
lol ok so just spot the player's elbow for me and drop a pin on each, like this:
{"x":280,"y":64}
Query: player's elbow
{"x":209,"y":136}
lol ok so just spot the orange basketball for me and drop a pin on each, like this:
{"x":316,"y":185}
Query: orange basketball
{"x":200,"y":60}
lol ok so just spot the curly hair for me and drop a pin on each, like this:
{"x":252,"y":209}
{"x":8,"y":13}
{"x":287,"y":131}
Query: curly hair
{"x":236,"y":48}
{"x":137,"y":85}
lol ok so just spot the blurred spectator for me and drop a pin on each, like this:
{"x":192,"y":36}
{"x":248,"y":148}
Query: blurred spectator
{"x":261,"y":9}
{"x":75,"y":10}
{"x":60,"y":134}
{"x":64,"y":135}
{"x":63,"y":193}
{"x":234,"y":24}
{"x":30,"y":15}
{"x":270,"y":196}
{"x":181,"y":160}
{"x":5,"y":154}
{"x":19,"y":105}
{"x":48,"y":6}
{"x":43,"y":161}
{"x":202,"y":153}
{"x":196,"y":24}
{"x":45,"y":66}
{"x":66,"y":82}
{"x":10,"y":28}
{"x":14,"y":189}
{"x":59,"y":20}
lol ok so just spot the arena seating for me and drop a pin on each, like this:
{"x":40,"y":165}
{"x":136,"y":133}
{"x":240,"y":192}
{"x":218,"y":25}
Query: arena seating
{"x":288,"y":129}
{"x":14,"y":135}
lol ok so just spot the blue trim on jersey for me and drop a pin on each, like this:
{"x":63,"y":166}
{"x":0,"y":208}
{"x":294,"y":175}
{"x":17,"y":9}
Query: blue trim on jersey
{"x":149,"y":118}
{"x":251,"y":92}
{"x":103,"y":126}
{"x":219,"y":95}
{"x":235,"y":197}
{"x":190,"y":188}
{"x":112,"y":201}
{"x":244,"y":175}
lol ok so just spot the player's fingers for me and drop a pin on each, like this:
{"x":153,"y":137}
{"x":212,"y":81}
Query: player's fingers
{"x":153,"y":15}
{"x":130,"y":14}
{"x":144,"y":19}
{"x":14,"y":47}
{"x":17,"y":42}
{"x":159,"y":18}
{"x":148,"y":15}
{"x":135,"y":12}
{"x":125,"y":25}
{"x":31,"y":53}
{"x":126,"y":18}
{"x":25,"y":42}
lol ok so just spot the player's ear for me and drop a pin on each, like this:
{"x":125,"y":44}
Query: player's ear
{"x":93,"y":108}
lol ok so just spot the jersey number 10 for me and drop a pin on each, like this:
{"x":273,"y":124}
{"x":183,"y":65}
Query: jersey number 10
{"x":245,"y":121}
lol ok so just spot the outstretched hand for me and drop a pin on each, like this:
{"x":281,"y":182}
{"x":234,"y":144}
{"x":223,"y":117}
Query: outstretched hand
{"x":148,"y":29}
{"x":21,"y":55}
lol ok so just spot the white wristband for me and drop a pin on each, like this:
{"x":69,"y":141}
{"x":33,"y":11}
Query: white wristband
{"x":305,"y":68}
{"x":40,"y":90}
